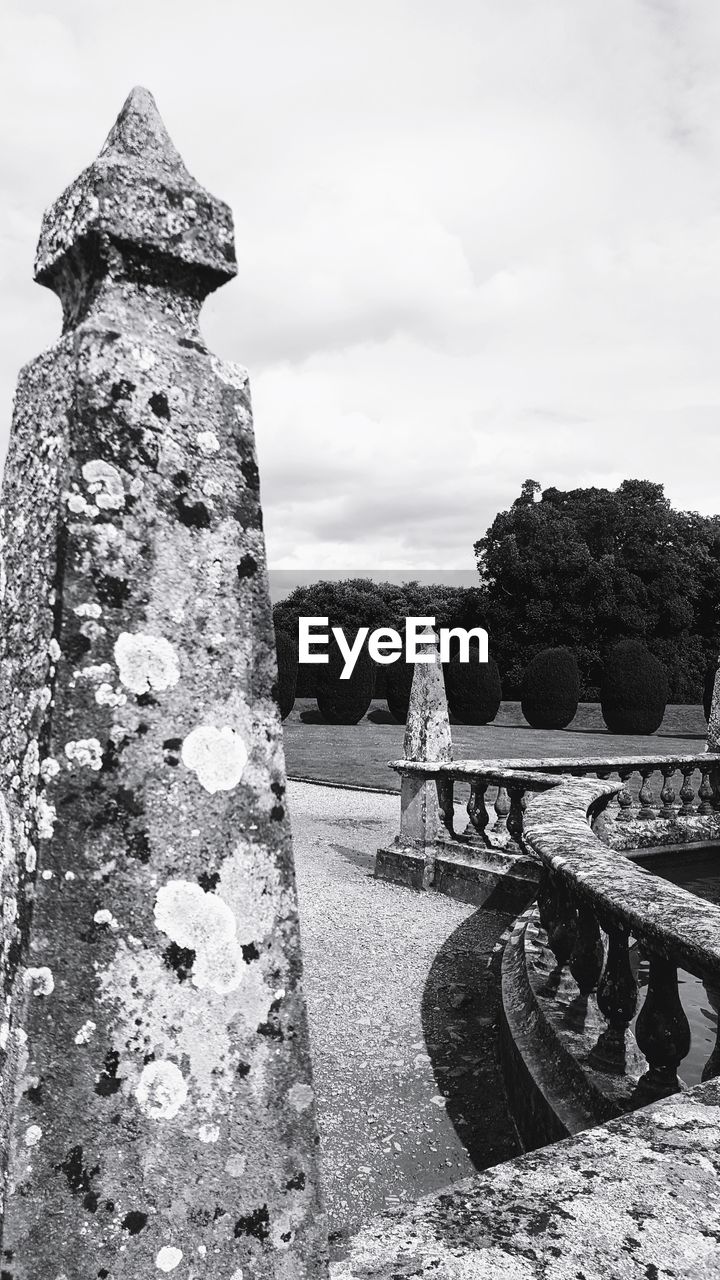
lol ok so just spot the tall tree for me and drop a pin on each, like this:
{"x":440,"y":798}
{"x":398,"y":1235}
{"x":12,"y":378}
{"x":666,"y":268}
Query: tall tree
{"x":587,"y":567}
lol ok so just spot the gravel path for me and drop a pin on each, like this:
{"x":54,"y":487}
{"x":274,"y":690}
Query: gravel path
{"x":402,"y":1015}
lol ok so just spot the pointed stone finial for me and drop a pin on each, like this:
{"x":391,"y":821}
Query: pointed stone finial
{"x":427,"y":731}
{"x":156,"y":1099}
{"x":713,"y":729}
{"x":136,"y":202}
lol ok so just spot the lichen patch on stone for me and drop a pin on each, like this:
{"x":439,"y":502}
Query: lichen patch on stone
{"x":217,"y":756}
{"x":207,"y":442}
{"x":168,"y":1258}
{"x":105,"y":484}
{"x":161,"y":1090}
{"x":86,"y":753}
{"x":40,"y":981}
{"x":146,"y":662}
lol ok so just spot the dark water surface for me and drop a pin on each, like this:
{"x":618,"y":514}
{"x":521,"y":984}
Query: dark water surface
{"x":699,"y":873}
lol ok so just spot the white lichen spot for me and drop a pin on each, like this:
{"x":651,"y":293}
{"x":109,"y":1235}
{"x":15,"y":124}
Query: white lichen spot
{"x":237,"y":1275}
{"x":168,"y":1258}
{"x":46,"y":818}
{"x":235,"y":1166}
{"x":209,"y":1132}
{"x":88,"y":610}
{"x":86,"y":1031}
{"x":217,"y":756}
{"x":162,"y":1090}
{"x":47,"y":874}
{"x":40,"y":981}
{"x":54,"y":650}
{"x":86,"y":753}
{"x":92,"y":629}
{"x":136,"y":486}
{"x":49,"y":769}
{"x":146,"y":662}
{"x":33,"y":1134}
{"x":301,"y":1097}
{"x":205,"y":924}
{"x":106,"y":696}
{"x":211,"y":487}
{"x":69,"y":875}
{"x":103,"y":916}
{"x":30,"y":859}
{"x":105,"y":483}
{"x":207,"y":442}
{"x":77,"y":504}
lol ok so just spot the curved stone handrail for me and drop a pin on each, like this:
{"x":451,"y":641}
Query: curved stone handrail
{"x":664,"y":917}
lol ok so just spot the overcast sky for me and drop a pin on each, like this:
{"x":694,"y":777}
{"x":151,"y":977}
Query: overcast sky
{"x":478,"y":241}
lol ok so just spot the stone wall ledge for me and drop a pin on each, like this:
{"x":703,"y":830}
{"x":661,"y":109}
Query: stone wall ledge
{"x":467,"y":873}
{"x":635,"y":1198}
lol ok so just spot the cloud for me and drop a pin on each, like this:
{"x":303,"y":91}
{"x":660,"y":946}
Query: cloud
{"x":477,"y":242}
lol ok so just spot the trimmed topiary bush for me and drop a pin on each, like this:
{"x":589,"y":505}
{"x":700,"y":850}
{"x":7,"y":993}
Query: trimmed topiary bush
{"x":473,"y":688}
{"x":634,"y":689}
{"x":708,"y":688}
{"x":398,"y":682}
{"x":550,"y":689}
{"x":287,"y":660}
{"x":344,"y":701}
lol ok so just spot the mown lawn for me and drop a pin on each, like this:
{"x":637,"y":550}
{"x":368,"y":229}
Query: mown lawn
{"x":357,"y":755}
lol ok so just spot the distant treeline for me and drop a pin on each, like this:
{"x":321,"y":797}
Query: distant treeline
{"x":581,"y":569}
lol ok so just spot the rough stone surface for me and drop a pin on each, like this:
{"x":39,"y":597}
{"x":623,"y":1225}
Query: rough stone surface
{"x":157,"y":1102}
{"x":637,"y":1199}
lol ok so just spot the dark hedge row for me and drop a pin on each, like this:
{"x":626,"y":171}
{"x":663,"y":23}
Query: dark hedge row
{"x":633,"y":690}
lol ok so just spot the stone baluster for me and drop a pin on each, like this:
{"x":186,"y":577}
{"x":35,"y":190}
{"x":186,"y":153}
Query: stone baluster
{"x":687,"y":790}
{"x":516,"y":791}
{"x":624,"y":797}
{"x":586,"y":958}
{"x":706,"y":793}
{"x":648,"y":808}
{"x":477,"y":808}
{"x":662,"y":1031}
{"x":715,"y":784}
{"x":617,"y":1001}
{"x":446,"y":804}
{"x":158,"y":1075}
{"x":558,"y":919}
{"x":667,"y":794}
{"x":502,"y":809}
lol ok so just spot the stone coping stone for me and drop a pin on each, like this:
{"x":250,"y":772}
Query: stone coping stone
{"x":635,"y":1199}
{"x":553,"y":764}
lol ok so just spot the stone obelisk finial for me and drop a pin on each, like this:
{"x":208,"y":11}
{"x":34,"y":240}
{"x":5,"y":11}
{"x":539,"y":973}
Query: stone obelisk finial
{"x":713,"y":729}
{"x":156,"y":1097}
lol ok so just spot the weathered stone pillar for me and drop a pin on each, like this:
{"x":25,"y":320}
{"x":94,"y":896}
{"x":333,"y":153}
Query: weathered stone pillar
{"x":427,"y":737}
{"x":713,"y":729}
{"x":156,"y":1090}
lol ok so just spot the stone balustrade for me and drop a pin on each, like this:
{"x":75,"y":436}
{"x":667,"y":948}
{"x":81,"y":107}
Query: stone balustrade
{"x":660,"y":791}
{"x":568,"y":822}
{"x":591,"y":903}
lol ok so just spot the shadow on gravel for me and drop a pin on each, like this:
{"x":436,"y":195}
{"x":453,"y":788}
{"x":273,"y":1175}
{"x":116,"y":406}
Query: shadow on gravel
{"x":460,"y":1024}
